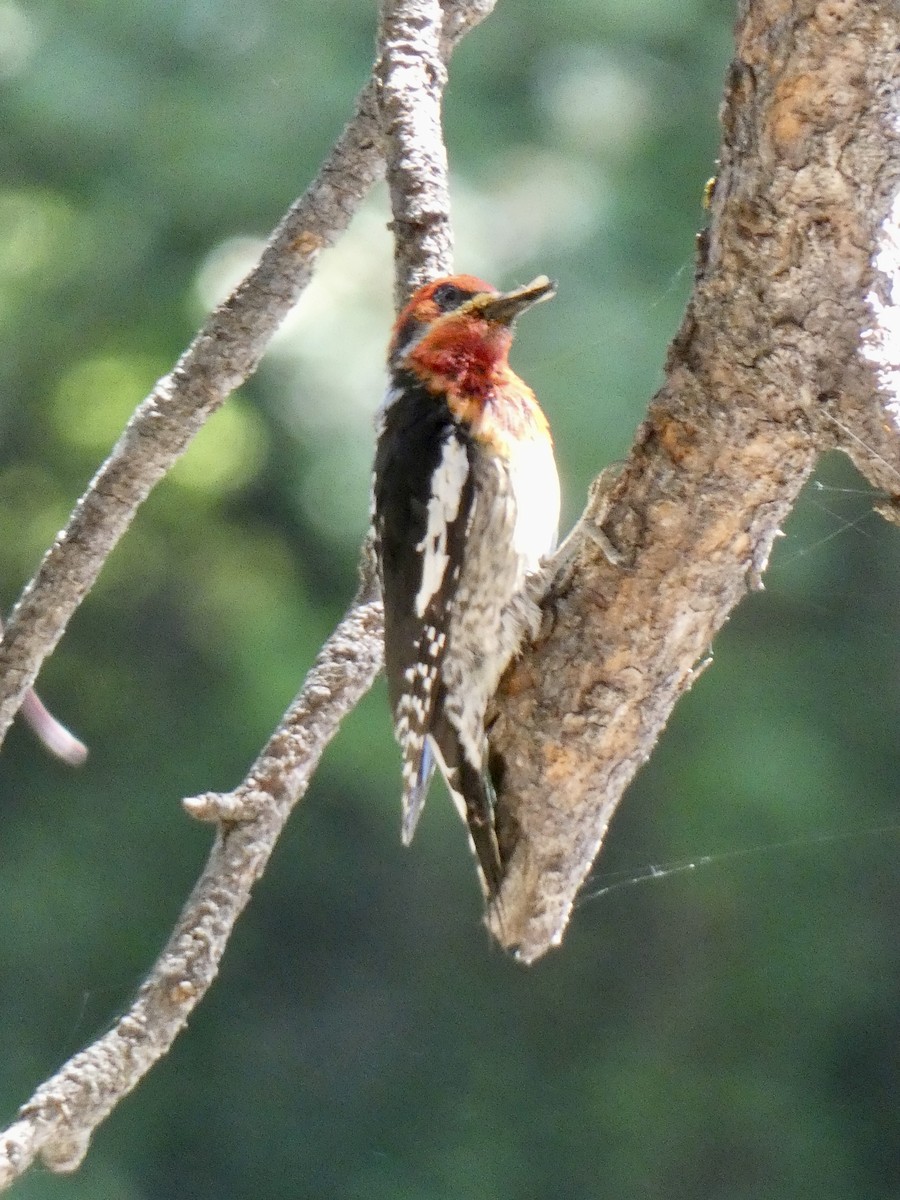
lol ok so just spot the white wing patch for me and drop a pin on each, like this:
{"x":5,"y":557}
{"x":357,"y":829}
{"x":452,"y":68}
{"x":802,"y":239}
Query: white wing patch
{"x":443,"y":508}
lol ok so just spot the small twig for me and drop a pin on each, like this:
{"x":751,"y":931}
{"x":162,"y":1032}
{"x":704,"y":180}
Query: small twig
{"x":51,"y":733}
{"x":58,"y":1121}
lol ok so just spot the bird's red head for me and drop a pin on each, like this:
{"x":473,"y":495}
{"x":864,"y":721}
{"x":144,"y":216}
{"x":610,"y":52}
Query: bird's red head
{"x":430,"y":302}
{"x":458,"y":330}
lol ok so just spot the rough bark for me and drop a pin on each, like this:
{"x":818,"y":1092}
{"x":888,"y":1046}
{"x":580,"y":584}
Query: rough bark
{"x":411,"y":75}
{"x":765,"y":373}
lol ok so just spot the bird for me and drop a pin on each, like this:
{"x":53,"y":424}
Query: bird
{"x":465,"y":507}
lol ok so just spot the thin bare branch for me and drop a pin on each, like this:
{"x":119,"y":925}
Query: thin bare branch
{"x":226,"y":350}
{"x":411,"y":76}
{"x":58,"y":1121}
{"x":224,"y":353}
{"x":766,"y":361}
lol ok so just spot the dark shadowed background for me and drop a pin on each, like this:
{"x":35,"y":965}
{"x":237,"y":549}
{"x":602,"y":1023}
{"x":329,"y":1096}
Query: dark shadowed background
{"x":729,"y":1031}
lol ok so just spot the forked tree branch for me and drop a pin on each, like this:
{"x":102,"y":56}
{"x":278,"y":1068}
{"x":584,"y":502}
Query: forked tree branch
{"x":57,"y":1123}
{"x":223,"y":354}
{"x":793,"y":276}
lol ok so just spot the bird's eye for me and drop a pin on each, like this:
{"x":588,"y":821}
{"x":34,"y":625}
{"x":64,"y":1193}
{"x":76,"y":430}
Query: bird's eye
{"x":448,"y":296}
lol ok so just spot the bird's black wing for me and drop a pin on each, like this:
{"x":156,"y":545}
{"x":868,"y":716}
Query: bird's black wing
{"x":422,"y":501}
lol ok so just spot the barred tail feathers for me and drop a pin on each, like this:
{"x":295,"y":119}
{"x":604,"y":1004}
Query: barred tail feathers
{"x":476,"y":791}
{"x":472,"y":792}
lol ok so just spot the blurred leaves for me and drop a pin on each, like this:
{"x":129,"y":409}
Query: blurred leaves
{"x":727,"y":1031}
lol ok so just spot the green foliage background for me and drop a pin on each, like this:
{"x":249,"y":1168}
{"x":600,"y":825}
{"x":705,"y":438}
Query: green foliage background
{"x":729,"y":1030}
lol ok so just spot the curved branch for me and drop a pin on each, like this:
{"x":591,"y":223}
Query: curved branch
{"x":59,"y":1119}
{"x":766,"y":362}
{"x":224,"y":353}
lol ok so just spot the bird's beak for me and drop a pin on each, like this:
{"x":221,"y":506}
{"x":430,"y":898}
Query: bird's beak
{"x":504,"y":307}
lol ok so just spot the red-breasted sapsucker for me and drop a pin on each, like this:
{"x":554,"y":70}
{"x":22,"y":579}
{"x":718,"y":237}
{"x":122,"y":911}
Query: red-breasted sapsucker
{"x":465,"y":506}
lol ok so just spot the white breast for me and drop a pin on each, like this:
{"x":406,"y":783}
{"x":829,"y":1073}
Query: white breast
{"x":535,"y":485}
